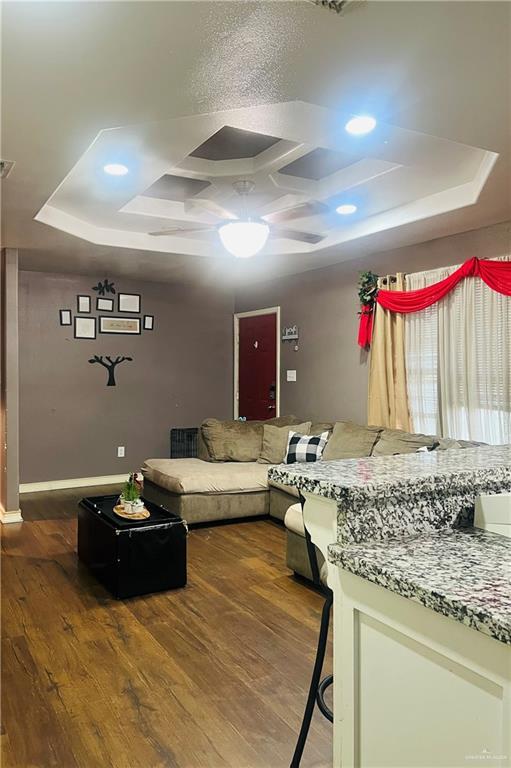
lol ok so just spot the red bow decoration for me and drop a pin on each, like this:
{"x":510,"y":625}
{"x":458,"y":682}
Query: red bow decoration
{"x":496,"y":275}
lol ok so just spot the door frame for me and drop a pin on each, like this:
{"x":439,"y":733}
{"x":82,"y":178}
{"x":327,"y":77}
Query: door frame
{"x":236,"y":318}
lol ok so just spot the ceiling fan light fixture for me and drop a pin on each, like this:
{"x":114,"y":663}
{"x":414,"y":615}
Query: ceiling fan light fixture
{"x":360,"y":125}
{"x":244,"y":238}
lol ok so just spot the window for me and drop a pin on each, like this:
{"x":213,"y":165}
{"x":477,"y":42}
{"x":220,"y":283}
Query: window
{"x":458,"y":362}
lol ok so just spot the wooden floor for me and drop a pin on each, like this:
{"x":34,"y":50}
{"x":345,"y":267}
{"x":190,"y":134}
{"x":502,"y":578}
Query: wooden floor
{"x":211,"y":675}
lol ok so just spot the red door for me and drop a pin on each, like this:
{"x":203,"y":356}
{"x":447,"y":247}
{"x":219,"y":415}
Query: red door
{"x":257,"y":367}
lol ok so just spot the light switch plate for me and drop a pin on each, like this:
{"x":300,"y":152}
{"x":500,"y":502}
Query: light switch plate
{"x":120,"y":452}
{"x":291,"y":375}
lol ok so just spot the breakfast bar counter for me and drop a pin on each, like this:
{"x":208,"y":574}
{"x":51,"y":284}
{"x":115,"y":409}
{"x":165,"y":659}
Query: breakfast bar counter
{"x":385,"y":497}
{"x":461,"y":573}
{"x":422,"y":606}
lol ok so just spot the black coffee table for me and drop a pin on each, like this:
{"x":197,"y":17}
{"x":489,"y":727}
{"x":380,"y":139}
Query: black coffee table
{"x":132,"y":557}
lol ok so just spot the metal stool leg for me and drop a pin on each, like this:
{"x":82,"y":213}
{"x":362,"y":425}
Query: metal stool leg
{"x":320,"y":698}
{"x":315,"y":681}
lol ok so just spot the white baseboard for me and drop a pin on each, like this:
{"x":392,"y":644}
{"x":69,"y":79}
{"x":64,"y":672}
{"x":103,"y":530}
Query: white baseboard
{"x":76,"y":482}
{"x":11,"y":516}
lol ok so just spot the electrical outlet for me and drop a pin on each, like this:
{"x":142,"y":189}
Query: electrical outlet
{"x":120,"y":452}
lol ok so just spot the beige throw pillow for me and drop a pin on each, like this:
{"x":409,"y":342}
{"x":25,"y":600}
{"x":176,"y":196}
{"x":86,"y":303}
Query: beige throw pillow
{"x":395,"y":441}
{"x":319,"y":427}
{"x":274,"y":447}
{"x":237,"y":440}
{"x":350,"y":441}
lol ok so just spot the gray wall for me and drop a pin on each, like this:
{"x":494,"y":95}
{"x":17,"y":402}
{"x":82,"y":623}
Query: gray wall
{"x":9,"y":394}
{"x":71,"y":423}
{"x":331,"y":369}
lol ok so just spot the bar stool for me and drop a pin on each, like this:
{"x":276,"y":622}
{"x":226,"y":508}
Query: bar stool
{"x":318,"y":686}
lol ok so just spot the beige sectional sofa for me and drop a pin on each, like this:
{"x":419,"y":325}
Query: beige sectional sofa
{"x":228,"y":480}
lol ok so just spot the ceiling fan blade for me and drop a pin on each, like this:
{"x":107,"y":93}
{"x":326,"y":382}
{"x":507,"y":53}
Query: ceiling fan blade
{"x":210,"y":207}
{"x":179,"y":231}
{"x":313,"y":208}
{"x":293,"y":234}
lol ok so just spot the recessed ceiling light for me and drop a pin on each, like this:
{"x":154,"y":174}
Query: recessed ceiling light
{"x":346,"y":209}
{"x":360,"y":125}
{"x":116,"y":169}
{"x":244,"y":238}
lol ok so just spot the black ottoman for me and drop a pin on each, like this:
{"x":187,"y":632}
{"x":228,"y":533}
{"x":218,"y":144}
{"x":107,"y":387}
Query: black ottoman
{"x":132,"y":557}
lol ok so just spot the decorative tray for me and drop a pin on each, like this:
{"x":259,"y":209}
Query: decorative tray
{"x":142,"y":515}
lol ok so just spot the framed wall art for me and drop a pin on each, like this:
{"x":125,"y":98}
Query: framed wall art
{"x":148,"y":322}
{"x":104,"y":305}
{"x":83,"y":304}
{"x":121,"y":325}
{"x":85,"y":327}
{"x":128,"y":302}
{"x":65,"y":317}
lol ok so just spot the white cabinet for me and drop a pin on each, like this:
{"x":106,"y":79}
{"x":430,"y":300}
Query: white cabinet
{"x":413,"y":687}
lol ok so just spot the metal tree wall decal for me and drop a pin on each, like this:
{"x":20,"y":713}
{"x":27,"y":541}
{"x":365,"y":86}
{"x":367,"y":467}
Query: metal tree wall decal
{"x":110,"y":365}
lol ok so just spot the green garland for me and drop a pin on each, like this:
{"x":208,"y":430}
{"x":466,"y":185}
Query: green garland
{"x":367,"y":289}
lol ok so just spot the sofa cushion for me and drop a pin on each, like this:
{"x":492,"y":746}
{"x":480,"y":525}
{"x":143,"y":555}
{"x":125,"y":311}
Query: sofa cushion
{"x":305,"y":448}
{"x":394,"y":441}
{"x":202,"y":448}
{"x":291,"y":490}
{"x":294,"y":520}
{"x":237,"y":440}
{"x":320,"y":426}
{"x":447,"y":443}
{"x":350,"y":441}
{"x":196,"y":476}
{"x":274,"y":445}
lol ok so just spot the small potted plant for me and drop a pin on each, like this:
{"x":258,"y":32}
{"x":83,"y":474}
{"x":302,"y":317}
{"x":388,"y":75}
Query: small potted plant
{"x":130,"y":495}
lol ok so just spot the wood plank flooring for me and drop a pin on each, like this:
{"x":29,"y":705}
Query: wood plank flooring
{"x":209,"y":676}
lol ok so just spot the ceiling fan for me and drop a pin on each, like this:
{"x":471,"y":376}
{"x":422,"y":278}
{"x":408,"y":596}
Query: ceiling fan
{"x":245,"y":236}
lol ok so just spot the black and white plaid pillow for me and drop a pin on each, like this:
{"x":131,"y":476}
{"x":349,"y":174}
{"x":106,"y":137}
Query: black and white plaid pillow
{"x":305,"y":447}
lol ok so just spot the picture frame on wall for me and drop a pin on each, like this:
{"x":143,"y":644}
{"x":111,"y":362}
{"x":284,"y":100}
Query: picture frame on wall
{"x":85,"y":327}
{"x":128,"y":302}
{"x":127,"y":326}
{"x":83,"y":304}
{"x":148,"y":322}
{"x":65,"y":317}
{"x":104,"y":305}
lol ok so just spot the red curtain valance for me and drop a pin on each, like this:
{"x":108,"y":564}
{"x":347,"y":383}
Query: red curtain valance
{"x":496,"y":275}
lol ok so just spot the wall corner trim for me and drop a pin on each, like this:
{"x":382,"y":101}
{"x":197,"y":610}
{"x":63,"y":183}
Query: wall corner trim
{"x":76,"y":482}
{"x":11,"y":516}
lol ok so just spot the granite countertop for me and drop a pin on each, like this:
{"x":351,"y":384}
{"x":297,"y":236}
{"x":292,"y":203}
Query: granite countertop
{"x":462,"y":573}
{"x":390,"y":497}
{"x":379,"y":475}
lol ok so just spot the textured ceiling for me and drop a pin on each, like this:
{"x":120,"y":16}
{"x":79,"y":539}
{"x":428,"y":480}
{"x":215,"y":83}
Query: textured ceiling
{"x":70,"y":70}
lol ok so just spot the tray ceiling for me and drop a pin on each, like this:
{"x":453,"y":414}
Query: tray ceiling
{"x":433,"y":74}
{"x":181,"y":172}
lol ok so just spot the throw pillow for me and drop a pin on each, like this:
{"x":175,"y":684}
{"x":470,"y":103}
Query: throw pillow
{"x":305,"y":447}
{"x":396,"y":441}
{"x":232,"y":440}
{"x":350,"y":441}
{"x":321,"y":426}
{"x":275,"y":439}
{"x":237,"y":440}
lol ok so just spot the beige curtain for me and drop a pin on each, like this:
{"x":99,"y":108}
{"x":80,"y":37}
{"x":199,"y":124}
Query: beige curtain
{"x":387,"y":400}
